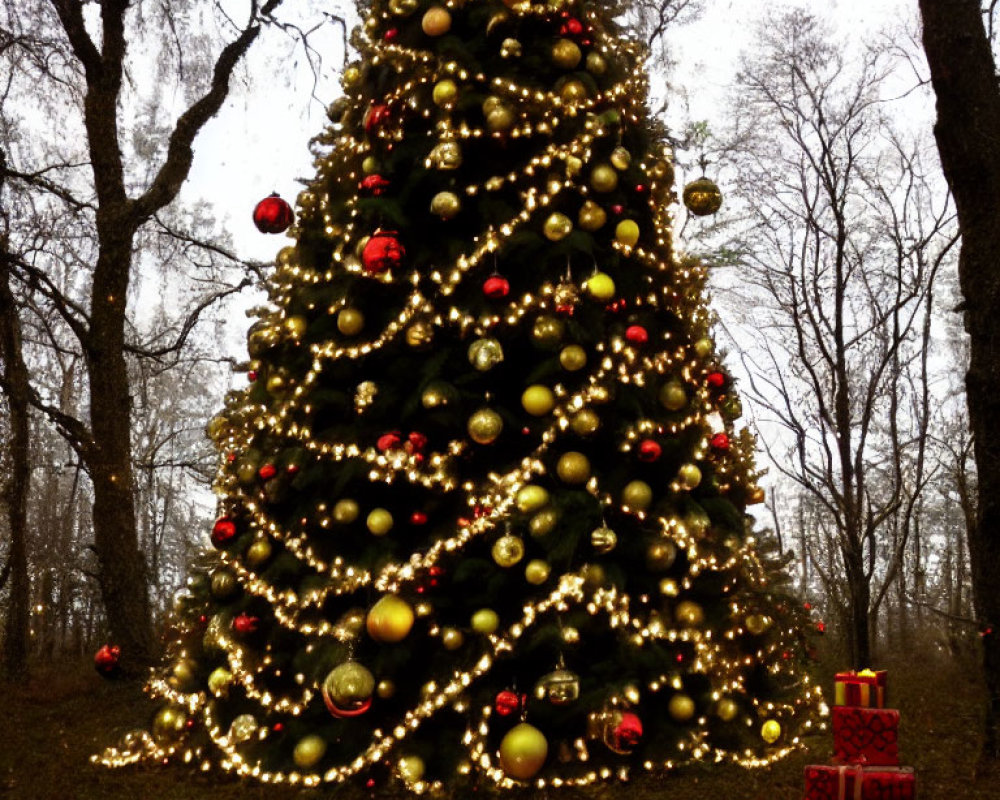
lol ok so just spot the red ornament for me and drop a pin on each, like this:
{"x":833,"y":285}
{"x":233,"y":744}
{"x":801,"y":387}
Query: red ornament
{"x":807,"y":606}
{"x":415,"y":442}
{"x":649,"y":451}
{"x":374,"y":185}
{"x":292,"y":469}
{"x":223,"y":531}
{"x":636,"y":334}
{"x":267,"y":471}
{"x":715,"y":380}
{"x":377,"y":116}
{"x":392,"y":34}
{"x":418,"y":518}
{"x":278,"y":727}
{"x":719,"y":442}
{"x":273,"y":215}
{"x":252,"y":375}
{"x":245,"y":623}
{"x":388,"y":441}
{"x":106,"y":660}
{"x":640,"y":188}
{"x":821,"y":627}
{"x":434,"y":576}
{"x":617,"y":209}
{"x":628,"y":732}
{"x":507,"y":702}
{"x":571,"y":27}
{"x":345,"y":713}
{"x":382,"y":252}
{"x":496,"y":286}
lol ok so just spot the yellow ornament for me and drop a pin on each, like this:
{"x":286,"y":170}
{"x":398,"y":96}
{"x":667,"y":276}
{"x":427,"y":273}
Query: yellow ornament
{"x":536,"y":572}
{"x":603,"y":178}
{"x":557,"y":227}
{"x":688,"y":476}
{"x":390,"y":619}
{"x":673,"y":396}
{"x":770,"y":731}
{"x":548,"y":330}
{"x":573,"y":166}
{"x":385,"y":689}
{"x":702,"y":197}
{"x":500,"y":119}
{"x":637,"y":495}
{"x":348,"y":687}
{"x":379,"y":521}
{"x":275,"y":383}
{"x":182,"y":674}
{"x":596,"y":65}
{"x":681,"y":707}
{"x":243,"y":727}
{"x":591,"y":216}
{"x":296,"y":326}
{"x":669,"y":587}
{"x":573,"y":92}
{"x":660,"y":555}
{"x":445,"y":155}
{"x":543,"y":523}
{"x":484,"y":354}
{"x":757,"y":623}
{"x":573,"y":468}
{"x":169,"y":723}
{"x":566,"y":54}
{"x":689,"y":614}
{"x":755,"y":495}
{"x":345,"y":511}
{"x":531,"y":498}
{"x":508,"y":550}
{"x":600,"y":286}
{"x":410,"y":768}
{"x":369,"y":165}
{"x":484,"y":426}
{"x":259,"y":551}
{"x":419,"y":334}
{"x":350,"y":321}
{"x":446,"y":205}
{"x":309,"y":751}
{"x":351,"y":77}
{"x":403,"y":8}
{"x":703,"y":347}
{"x":620,"y":158}
{"x":452,"y":638}
{"x":593,"y":575}
{"x":538,"y":400}
{"x":627,"y":232}
{"x":510,"y":48}
{"x":560,"y":687}
{"x":523,"y":751}
{"x":219,"y":681}
{"x":573,"y":358}
{"x":603,"y":539}
{"x":436,"y":21}
{"x":435,"y":395}
{"x":726,"y":709}
{"x":585,"y":422}
{"x":485,"y":620}
{"x":444,"y":92}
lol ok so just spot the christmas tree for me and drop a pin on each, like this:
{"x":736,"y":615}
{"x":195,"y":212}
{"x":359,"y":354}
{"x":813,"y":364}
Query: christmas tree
{"x":483,"y":501}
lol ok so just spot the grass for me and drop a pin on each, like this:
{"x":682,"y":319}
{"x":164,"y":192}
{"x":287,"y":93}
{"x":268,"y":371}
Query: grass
{"x":52,"y":725}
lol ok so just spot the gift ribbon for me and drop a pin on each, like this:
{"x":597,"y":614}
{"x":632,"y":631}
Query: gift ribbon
{"x":859,"y":779}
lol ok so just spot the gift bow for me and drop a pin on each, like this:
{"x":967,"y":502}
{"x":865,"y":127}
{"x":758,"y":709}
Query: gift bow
{"x":867,"y":673}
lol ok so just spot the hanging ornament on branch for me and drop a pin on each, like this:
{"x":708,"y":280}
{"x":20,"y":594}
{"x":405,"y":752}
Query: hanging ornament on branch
{"x":273,"y":215}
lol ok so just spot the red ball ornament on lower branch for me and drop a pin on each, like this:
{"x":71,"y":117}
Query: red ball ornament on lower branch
{"x":223,"y":531}
{"x":273,"y":215}
{"x":107,"y":660}
{"x":382,"y":252}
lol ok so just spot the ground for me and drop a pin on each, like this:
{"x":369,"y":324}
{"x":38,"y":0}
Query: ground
{"x":54,"y":723}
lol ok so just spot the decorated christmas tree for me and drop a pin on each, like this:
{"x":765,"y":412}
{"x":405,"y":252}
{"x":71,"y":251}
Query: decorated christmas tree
{"x":483,"y":501}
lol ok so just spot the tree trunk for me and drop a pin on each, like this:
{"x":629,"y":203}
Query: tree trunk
{"x":967,"y":131}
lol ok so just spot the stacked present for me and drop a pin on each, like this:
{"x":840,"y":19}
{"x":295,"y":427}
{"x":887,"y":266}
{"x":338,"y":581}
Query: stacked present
{"x":865,"y":745}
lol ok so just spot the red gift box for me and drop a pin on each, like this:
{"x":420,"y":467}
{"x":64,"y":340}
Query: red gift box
{"x":866,"y":688}
{"x":866,"y":736}
{"x":859,"y":783}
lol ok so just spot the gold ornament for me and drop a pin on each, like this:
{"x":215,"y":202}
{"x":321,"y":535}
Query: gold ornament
{"x":345,"y":511}
{"x":485,"y":621}
{"x":523,"y":751}
{"x":243,"y":727}
{"x":660,"y":555}
{"x":309,"y":750}
{"x":573,"y":358}
{"x":593,"y":575}
{"x":673,"y":396}
{"x":351,"y":77}
{"x":370,"y":165}
{"x":351,"y":623}
{"x":631,"y":694}
{"x":681,"y":707}
{"x":169,"y":724}
{"x":591,"y":217}
{"x":573,"y":468}
{"x":444,"y":92}
{"x":423,"y":609}
{"x":585,"y":422}
{"x":259,"y":551}
{"x":500,"y":119}
{"x":689,"y":476}
{"x":379,"y":521}
{"x":627,"y":232}
{"x":755,"y":495}
{"x":570,"y":635}
{"x":600,"y":286}
{"x":385,"y":689}
{"x":560,"y":687}
{"x":566,"y":54}
{"x":348,"y":687}
{"x":689,"y":614}
{"x":452,"y":638}
{"x":702,"y":197}
{"x":364,"y":396}
{"x":182,"y":675}
{"x":219,"y":681}
{"x":573,"y":166}
{"x":419,"y":334}
{"x":543,"y":523}
{"x":603,"y":178}
{"x":770,"y":731}
{"x":403,"y":8}
{"x":484,"y":354}
{"x":573,"y":91}
{"x":536,"y":572}
{"x":436,"y":395}
{"x":510,"y":48}
{"x":548,"y":331}
{"x":538,"y":400}
{"x":484,"y":426}
{"x":350,"y":321}
{"x":410,"y":768}
{"x":531,"y":498}
{"x":603,"y":539}
{"x":390,"y":619}
{"x":296,"y":326}
{"x":275,"y":383}
{"x":224,"y":584}
{"x":757,"y":623}
{"x":436,"y":21}
{"x":566,"y":294}
{"x":446,"y":155}
{"x":558,"y":226}
{"x":703,"y":347}
{"x":637,"y":495}
{"x":620,"y":158}
{"x":446,"y":205}
{"x":508,"y":550}
{"x":669,"y":587}
{"x":596,"y":65}
{"x":726,"y":709}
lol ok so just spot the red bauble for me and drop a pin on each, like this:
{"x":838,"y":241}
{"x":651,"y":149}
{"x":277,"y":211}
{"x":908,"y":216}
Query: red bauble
{"x":267,"y":471}
{"x":377,"y":115}
{"x":636,"y":334}
{"x":416,"y":442}
{"x":720,"y":442}
{"x":496,"y":286}
{"x":382,"y":252}
{"x":387,"y":441}
{"x":715,"y":380}
{"x":418,"y":518}
{"x":245,"y":623}
{"x":106,"y":660}
{"x":628,"y":732}
{"x":821,"y":627}
{"x":223,"y":531}
{"x":640,"y":188}
{"x":374,"y":185}
{"x":507,"y":702}
{"x":273,"y":215}
{"x":617,"y":209}
{"x":571,"y":27}
{"x":649,"y":451}
{"x":252,"y":375}
{"x":391,"y":35}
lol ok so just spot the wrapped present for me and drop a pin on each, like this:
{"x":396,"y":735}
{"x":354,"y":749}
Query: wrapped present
{"x":866,"y":736}
{"x":865,"y":688}
{"x":850,"y":782}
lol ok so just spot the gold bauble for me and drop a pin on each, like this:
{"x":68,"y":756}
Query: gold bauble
{"x":770,"y":731}
{"x":755,"y":495}
{"x":620,"y":158}
{"x":511,"y":48}
{"x":182,"y":674}
{"x":348,"y":686}
{"x":627,"y":232}
{"x":370,"y":165}
{"x":600,"y":286}
{"x":351,"y":622}
{"x":702,"y":197}
{"x":757,"y":623}
{"x":531,"y":498}
{"x":500,"y":119}
{"x":350,"y":321}
{"x":484,"y":354}
{"x":566,"y":54}
{"x":295,"y":326}
{"x":444,"y":92}
{"x":637,"y":495}
{"x":593,"y":575}
{"x":703,"y":347}
{"x":660,"y":555}
{"x":275,"y":383}
{"x":596,"y":65}
{"x":403,"y":8}
{"x":243,"y":727}
{"x":485,"y":620}
{"x":436,"y":21}
{"x":548,"y":330}
{"x":689,"y":614}
{"x":419,"y":334}
{"x":484,"y":426}
{"x":558,"y":226}
{"x":351,"y":77}
{"x":345,"y":511}
{"x":390,"y":619}
{"x":570,"y":635}
{"x":560,"y":687}
{"x":523,"y":751}
{"x":224,"y":584}
{"x":309,"y":750}
{"x":435,"y":395}
{"x":673,"y":396}
{"x":603,"y":178}
{"x":544,"y":522}
{"x":566,"y":294}
{"x":669,"y":587}
{"x":538,"y":400}
{"x":385,"y":689}
{"x":452,"y":638}
{"x":591,"y":217}
{"x":219,"y":681}
{"x":573,"y":91}
{"x":379,"y":521}
{"x":446,"y":205}
{"x":423,"y":609}
{"x":259,"y":551}
{"x":573,"y":166}
{"x":508,"y":550}
{"x":573,"y":468}
{"x":410,"y":768}
{"x":726,"y":709}
{"x":573,"y":358}
{"x":536,"y":571}
{"x":681,"y":707}
{"x":169,"y":723}
{"x":585,"y":422}
{"x":603,"y":539}
{"x":688,"y":475}
{"x":446,"y":155}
